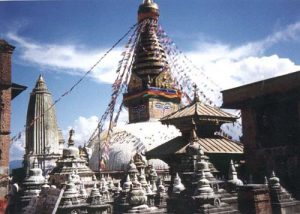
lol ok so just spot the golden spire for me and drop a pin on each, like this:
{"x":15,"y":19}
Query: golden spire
{"x":148,"y":9}
{"x":150,"y":58}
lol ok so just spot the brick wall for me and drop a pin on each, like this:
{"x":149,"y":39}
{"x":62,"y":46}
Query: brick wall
{"x":5,"y":65}
{"x":254,"y":199}
{"x":5,"y":112}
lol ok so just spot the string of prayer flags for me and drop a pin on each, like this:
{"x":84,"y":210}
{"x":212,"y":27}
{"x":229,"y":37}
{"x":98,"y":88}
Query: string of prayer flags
{"x":26,"y":127}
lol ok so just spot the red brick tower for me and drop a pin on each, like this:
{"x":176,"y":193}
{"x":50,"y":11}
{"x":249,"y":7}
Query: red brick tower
{"x":6,"y":51}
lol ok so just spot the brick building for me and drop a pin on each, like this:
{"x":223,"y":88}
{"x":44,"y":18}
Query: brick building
{"x":8,"y":91}
{"x":271,"y":127}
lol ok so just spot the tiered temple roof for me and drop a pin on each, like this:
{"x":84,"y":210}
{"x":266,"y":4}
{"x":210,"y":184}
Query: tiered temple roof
{"x":198,"y":113}
{"x":202,"y":120}
{"x":201,"y":111}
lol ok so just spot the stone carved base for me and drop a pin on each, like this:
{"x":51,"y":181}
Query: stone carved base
{"x":146,"y":209}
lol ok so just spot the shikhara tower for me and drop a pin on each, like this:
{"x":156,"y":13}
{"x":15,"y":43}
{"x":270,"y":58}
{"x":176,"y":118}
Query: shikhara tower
{"x":151,"y":90}
{"x":43,"y":138}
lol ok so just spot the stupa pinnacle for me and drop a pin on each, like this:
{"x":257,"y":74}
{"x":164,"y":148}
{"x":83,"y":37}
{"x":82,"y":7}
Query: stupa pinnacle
{"x":148,"y":9}
{"x":151,"y":91}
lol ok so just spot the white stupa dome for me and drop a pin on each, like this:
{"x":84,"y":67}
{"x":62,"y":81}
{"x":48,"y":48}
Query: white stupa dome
{"x":127,"y":139}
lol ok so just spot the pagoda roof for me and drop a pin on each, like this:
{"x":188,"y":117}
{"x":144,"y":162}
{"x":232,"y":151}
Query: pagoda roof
{"x":214,"y":145}
{"x":17,"y":89}
{"x":200,"y":110}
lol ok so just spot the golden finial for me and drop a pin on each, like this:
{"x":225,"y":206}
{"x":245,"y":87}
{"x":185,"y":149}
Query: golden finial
{"x":148,"y":9}
{"x":148,"y":2}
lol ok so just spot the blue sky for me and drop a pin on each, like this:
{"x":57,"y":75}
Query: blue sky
{"x":234,"y":42}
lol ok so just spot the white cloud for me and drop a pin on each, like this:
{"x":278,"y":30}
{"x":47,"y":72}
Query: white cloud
{"x":231,"y":72}
{"x":68,"y":58}
{"x":232,"y":66}
{"x":17,"y":149}
{"x":291,"y":32}
{"x":83,"y":127}
{"x":228,"y":66}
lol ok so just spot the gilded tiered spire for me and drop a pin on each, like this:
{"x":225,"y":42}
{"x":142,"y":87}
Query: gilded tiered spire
{"x":151,"y":89}
{"x":150,"y":58}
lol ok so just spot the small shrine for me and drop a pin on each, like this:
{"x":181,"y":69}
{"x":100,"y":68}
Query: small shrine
{"x":71,"y":163}
{"x":32,"y":184}
{"x":201,"y":191}
{"x":281,"y":200}
{"x":96,"y":202}
{"x":71,"y":199}
{"x":139,"y":195}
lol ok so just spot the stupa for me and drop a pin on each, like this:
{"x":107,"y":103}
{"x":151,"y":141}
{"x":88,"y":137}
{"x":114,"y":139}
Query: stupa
{"x":281,"y":200}
{"x":233,"y":180}
{"x":151,"y":95}
{"x":96,"y":203}
{"x":71,"y":163}
{"x":32,"y":184}
{"x":135,"y":197}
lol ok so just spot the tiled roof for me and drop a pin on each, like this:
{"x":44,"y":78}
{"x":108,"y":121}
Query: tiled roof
{"x":201,"y":110}
{"x":214,"y":145}
{"x":219,"y":145}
